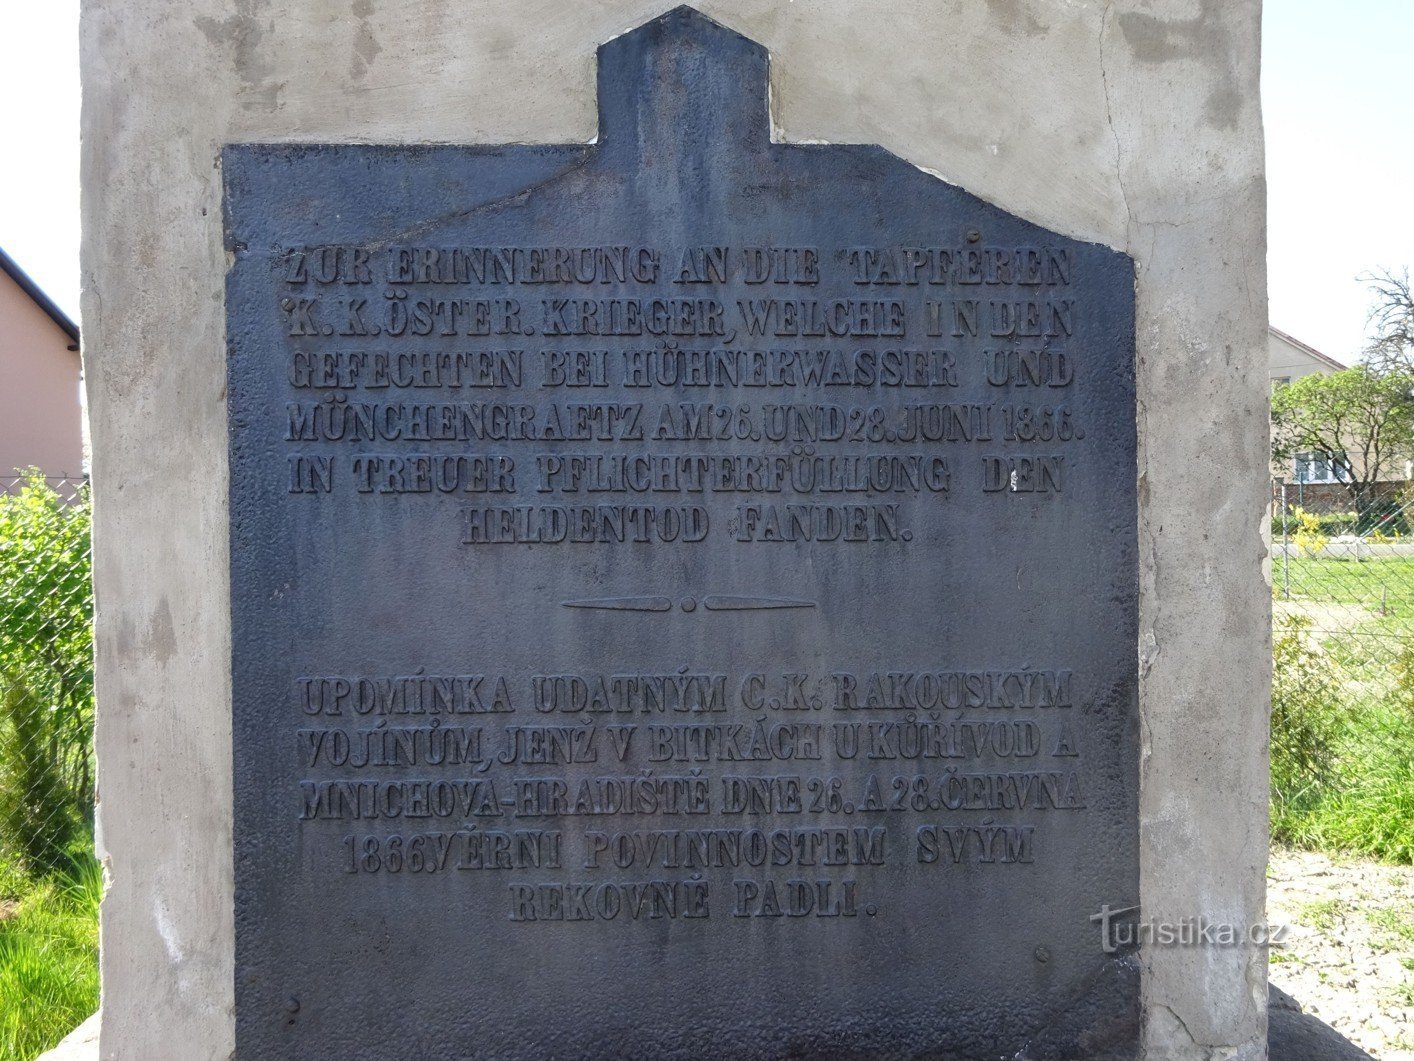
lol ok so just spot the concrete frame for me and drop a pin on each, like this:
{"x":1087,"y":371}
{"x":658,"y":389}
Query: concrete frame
{"x":1132,"y":122}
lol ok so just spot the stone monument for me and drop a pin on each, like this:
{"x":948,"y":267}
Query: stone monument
{"x":692,"y":592}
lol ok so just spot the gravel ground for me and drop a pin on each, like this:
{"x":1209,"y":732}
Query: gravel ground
{"x":1348,"y":953}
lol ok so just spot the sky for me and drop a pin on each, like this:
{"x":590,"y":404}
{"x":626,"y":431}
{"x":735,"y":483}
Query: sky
{"x":1335,"y":94}
{"x":1340,"y":161}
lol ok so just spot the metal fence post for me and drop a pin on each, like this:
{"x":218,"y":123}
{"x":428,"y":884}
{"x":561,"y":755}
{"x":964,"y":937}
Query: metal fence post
{"x":1285,"y":553}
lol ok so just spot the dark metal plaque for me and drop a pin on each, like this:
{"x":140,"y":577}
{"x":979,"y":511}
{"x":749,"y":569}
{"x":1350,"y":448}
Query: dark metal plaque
{"x":683,"y":595}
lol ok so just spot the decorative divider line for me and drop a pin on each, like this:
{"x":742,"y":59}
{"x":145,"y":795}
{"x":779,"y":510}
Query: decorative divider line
{"x":713,"y":603}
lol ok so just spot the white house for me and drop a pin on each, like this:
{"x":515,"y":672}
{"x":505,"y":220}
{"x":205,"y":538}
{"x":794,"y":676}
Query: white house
{"x":1288,"y":358}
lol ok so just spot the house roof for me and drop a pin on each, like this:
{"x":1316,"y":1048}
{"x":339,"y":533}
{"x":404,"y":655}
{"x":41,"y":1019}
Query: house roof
{"x":1325,"y":359}
{"x":43,"y":301}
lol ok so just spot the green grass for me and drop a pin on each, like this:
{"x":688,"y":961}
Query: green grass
{"x":49,"y":962}
{"x":1366,"y":582}
{"x":1343,"y":722}
{"x":13,"y":881}
{"x":1366,"y":805}
{"x":1397,"y":923}
{"x":1361,"y":611}
{"x":1323,"y":914}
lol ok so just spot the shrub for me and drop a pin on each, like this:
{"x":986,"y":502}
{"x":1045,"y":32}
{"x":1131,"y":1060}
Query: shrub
{"x":1308,"y":535}
{"x":1331,"y":524}
{"x":1341,"y":774}
{"x":1307,"y":721}
{"x":46,"y":676}
{"x":1334,"y":524}
{"x":1384,"y":517}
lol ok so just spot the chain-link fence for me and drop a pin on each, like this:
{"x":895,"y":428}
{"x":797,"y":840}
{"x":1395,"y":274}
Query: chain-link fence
{"x":1343,"y":571}
{"x":1342,"y":575}
{"x":1342,"y":724}
{"x":46,"y":674}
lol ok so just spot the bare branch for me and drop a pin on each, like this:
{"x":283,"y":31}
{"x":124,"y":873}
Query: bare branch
{"x":1390,"y":346}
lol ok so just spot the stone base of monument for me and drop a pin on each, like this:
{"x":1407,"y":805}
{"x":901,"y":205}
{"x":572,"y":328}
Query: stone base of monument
{"x":1292,"y":1036}
{"x":81,"y":1044}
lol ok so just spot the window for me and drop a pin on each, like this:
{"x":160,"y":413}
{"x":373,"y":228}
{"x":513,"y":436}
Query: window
{"x":1278,"y":382}
{"x":1318,"y":468}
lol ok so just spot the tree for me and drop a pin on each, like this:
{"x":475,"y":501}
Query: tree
{"x":1359,"y":419}
{"x":1391,"y":320}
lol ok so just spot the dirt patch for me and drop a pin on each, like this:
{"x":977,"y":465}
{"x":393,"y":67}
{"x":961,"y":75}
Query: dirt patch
{"x":1326,"y":618}
{"x":1348,"y":953}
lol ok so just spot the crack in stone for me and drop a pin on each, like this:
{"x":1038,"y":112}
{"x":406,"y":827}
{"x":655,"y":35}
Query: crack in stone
{"x":1109,"y":113}
{"x":1188,"y":1033}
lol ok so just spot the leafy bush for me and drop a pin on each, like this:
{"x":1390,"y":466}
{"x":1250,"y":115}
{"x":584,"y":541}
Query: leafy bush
{"x":1334,"y":524}
{"x":1342,"y":778}
{"x":1308,"y":718}
{"x":46,"y":676}
{"x":1386,"y":518}
{"x":1308,"y":535}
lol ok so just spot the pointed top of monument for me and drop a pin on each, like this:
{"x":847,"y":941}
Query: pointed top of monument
{"x":686,"y":20}
{"x":682,"y":75}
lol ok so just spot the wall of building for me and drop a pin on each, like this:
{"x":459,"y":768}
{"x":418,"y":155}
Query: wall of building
{"x":41,"y":418}
{"x":1289,"y":362}
{"x":1134,"y":123}
{"x":1333,"y":497}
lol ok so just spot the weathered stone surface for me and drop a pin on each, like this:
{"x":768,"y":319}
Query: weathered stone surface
{"x":1048,"y":111}
{"x":685,"y":553}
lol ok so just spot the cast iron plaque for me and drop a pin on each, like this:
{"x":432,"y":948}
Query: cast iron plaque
{"x":683,"y":595}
